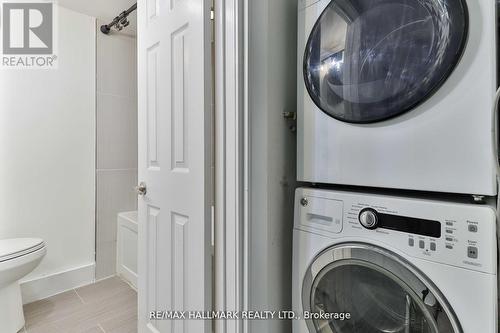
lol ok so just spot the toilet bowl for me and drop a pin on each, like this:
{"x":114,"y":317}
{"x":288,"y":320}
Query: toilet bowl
{"x":18,"y":257}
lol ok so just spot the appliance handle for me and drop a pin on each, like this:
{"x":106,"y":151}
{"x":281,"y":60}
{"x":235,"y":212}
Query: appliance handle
{"x":494,"y":131}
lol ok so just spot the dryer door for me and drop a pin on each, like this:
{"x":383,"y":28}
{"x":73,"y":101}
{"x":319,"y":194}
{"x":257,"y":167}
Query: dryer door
{"x":381,"y":292}
{"x":369,"y":60}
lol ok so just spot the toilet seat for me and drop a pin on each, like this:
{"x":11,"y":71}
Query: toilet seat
{"x":18,"y":247}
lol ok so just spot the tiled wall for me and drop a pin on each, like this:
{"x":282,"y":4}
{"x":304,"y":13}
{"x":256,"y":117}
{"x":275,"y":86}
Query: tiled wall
{"x":116,"y":141}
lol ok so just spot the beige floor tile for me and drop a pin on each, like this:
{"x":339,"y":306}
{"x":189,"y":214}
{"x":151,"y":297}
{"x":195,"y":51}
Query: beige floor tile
{"x":102,"y":290}
{"x":60,"y":329}
{"x":109,"y":305}
{"x":47,"y":310}
{"x":124,"y":323}
{"x":44,"y":328}
{"x":96,"y":329}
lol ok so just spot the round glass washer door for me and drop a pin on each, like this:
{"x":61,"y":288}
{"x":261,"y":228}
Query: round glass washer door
{"x":381,"y":292}
{"x":370,"y":60}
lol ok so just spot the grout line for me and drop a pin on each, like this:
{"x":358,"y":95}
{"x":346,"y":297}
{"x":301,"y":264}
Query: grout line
{"x":81,"y":299}
{"x":123,"y":169}
{"x":102,"y":329}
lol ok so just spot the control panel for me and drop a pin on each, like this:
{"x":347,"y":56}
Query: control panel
{"x":462,"y":235}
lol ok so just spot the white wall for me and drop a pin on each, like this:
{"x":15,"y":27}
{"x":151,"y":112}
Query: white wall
{"x":47,"y":150}
{"x":116,"y":141}
{"x":272,"y":90}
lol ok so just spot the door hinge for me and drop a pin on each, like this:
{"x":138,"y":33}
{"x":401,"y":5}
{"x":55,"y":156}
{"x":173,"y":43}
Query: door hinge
{"x":212,"y":14}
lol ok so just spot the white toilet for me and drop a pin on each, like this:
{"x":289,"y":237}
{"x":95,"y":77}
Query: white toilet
{"x":18,"y":257}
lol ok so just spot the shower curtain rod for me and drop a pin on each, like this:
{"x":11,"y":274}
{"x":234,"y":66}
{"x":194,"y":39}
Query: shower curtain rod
{"x":119,"y":22}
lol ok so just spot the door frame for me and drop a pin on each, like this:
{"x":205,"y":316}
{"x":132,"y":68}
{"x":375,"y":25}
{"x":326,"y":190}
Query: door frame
{"x":231,"y":162}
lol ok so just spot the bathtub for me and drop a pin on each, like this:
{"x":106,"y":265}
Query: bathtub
{"x":126,"y":251}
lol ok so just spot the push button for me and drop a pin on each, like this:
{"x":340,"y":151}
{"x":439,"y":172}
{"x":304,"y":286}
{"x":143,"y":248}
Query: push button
{"x":472,"y":228}
{"x":411,"y":242}
{"x":433,"y":246}
{"x":472,"y":252}
{"x":421,"y":244}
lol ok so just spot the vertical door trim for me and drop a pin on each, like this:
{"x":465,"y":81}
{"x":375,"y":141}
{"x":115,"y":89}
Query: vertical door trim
{"x":230,"y":168}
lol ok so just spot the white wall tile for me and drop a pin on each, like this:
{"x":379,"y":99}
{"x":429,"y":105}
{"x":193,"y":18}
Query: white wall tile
{"x":115,"y":194}
{"x":116,"y":141}
{"x":106,"y":260}
{"x":116,"y":132}
{"x":116,"y":65}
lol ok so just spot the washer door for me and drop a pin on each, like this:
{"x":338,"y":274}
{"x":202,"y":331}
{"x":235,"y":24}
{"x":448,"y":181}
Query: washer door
{"x":380,"y":290}
{"x":369,"y":60}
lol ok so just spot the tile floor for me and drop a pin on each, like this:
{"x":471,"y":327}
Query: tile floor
{"x":108,"y":306}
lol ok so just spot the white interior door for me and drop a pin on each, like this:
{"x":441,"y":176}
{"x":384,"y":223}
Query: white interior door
{"x":175,"y":128}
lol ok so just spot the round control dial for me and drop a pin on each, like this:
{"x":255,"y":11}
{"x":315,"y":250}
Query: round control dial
{"x":368,"y":218}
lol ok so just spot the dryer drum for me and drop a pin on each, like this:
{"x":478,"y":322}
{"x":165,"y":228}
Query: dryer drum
{"x":370,"y":60}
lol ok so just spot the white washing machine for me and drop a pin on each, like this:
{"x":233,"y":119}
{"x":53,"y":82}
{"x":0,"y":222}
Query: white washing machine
{"x":393,"y":264}
{"x":398,"y":94}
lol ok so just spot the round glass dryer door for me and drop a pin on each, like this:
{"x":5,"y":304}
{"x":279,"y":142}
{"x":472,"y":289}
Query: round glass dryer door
{"x":381,"y":292}
{"x":370,"y":60}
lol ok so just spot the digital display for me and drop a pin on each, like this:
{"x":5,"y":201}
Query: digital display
{"x":410,"y":225}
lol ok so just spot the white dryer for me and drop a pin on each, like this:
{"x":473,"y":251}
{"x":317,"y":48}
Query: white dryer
{"x":398,"y":94}
{"x":393,"y":264}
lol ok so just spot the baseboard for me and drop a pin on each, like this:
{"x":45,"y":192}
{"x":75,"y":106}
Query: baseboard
{"x":128,"y":276}
{"x":49,"y":285}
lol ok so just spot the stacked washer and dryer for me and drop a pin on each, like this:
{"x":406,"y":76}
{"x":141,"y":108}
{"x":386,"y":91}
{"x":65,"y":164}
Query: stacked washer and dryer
{"x":398,"y":95}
